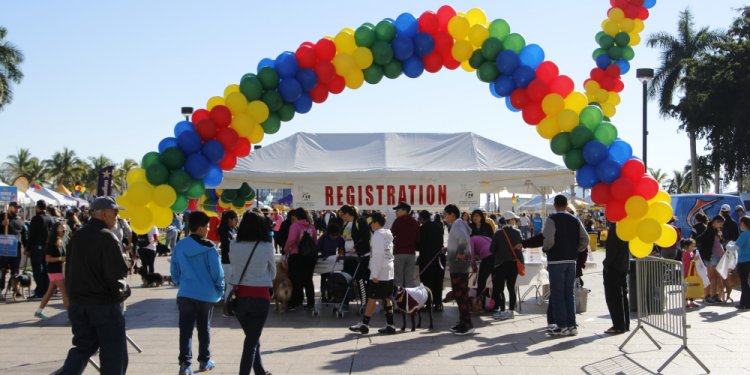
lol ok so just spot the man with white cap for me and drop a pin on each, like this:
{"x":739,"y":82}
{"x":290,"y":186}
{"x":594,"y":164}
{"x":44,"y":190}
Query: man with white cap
{"x":740,"y":211}
{"x":730,"y":231}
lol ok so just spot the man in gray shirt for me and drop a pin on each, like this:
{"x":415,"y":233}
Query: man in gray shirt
{"x":459,"y":262}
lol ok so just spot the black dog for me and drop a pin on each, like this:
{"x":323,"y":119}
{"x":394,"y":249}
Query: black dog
{"x":406,"y":304}
{"x":162,"y":249}
{"x":151,"y":280}
{"x":168,"y":280}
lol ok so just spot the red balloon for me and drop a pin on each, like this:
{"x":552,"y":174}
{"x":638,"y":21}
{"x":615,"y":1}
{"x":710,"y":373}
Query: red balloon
{"x":547,"y":71}
{"x":647,"y":187}
{"x":633,"y":169}
{"x":562,"y":85}
{"x":337,"y":85}
{"x":444,"y":15}
{"x":200,"y":115}
{"x":643,"y":14}
{"x":622,"y":189}
{"x":325,"y":71}
{"x":228,"y":137}
{"x":325,"y":50}
{"x":597,"y":74}
{"x":433,"y":62}
{"x":533,"y":113}
{"x":613,"y":71}
{"x":206,"y":129}
{"x":448,"y":61}
{"x":601,"y":194}
{"x":228,"y":162}
{"x":319,"y":94}
{"x":429,"y":22}
{"x":242,"y":148}
{"x":537,"y":90}
{"x":305,"y":55}
{"x":632,"y":11}
{"x":192,"y":204}
{"x":519,"y":98}
{"x":615,"y":211}
{"x":443,"y":42}
{"x":608,"y":83}
{"x":221,"y":116}
{"x":619,"y":86}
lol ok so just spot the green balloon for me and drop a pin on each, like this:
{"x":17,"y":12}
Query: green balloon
{"x":591,"y":117}
{"x":491,"y":47}
{"x":499,"y":29}
{"x":230,"y":194}
{"x":561,"y":143}
{"x":385,"y":31}
{"x":286,"y":113}
{"x":180,"y":181}
{"x":488,"y":72}
{"x":580,"y":136}
{"x":628,"y":53}
{"x":224,"y":199}
{"x":514,"y":42}
{"x":251,"y":196}
{"x":599,"y":36}
{"x":615,"y":53}
{"x":606,"y":133}
{"x":476,"y":60}
{"x":373,"y":74}
{"x":157,"y":174}
{"x":606,"y":41}
{"x":209,"y":206}
{"x":180,"y":204}
{"x":239,"y":202}
{"x":251,"y":87}
{"x":382,"y":53}
{"x":393,"y":69}
{"x":172,"y":158}
{"x":598,"y":52}
{"x":574,"y":159}
{"x":149,"y":159}
{"x":269,"y":78}
{"x":365,"y":36}
{"x":622,"y":39}
{"x":272,"y":124}
{"x":244,"y":190}
{"x":196,"y":189}
{"x":273,"y":100}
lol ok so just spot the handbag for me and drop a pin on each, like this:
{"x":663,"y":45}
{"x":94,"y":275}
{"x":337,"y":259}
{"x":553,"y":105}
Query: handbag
{"x":521,"y":268}
{"x":230,"y":305}
{"x":694,"y":283}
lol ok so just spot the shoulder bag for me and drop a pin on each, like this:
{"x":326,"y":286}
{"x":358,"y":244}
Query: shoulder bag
{"x":230,"y":305}
{"x":521,"y":268}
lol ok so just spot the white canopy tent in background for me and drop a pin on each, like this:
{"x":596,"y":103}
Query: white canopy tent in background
{"x":60,"y":200}
{"x":376,"y":159}
{"x":535,"y":203}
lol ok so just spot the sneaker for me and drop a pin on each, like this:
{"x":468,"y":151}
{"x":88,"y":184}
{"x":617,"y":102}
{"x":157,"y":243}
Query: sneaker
{"x":41,"y":315}
{"x":390,"y":329}
{"x":557,"y":331}
{"x":569,"y":331}
{"x":455,"y":327}
{"x":360,"y":328}
{"x":464,"y":329}
{"x":185,"y":370}
{"x":498,"y":314}
{"x":503,"y":315}
{"x":207,"y":366}
{"x":550,"y":328}
{"x":711,"y":300}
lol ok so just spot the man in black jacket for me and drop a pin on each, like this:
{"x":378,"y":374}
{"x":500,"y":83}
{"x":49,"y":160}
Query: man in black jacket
{"x":38,"y":231}
{"x":730,"y":230}
{"x":616,"y":263}
{"x":96,"y":285}
{"x":431,"y":257}
{"x":12,"y":225}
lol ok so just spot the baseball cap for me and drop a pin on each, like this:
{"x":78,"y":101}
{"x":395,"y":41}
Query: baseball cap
{"x":725,"y":207}
{"x":104,"y":203}
{"x":402,"y":206}
{"x":14,"y":204}
{"x":739,"y":207}
{"x":507,"y":215}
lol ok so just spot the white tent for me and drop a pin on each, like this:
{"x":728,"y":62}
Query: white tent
{"x":60,"y":200}
{"x":36,"y":196}
{"x":535,"y":203}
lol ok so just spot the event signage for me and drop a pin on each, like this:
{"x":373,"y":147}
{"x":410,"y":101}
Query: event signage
{"x":104,"y":187}
{"x":8,"y":194}
{"x":376,"y":196}
{"x":8,"y":246}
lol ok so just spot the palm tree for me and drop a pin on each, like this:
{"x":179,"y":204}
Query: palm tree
{"x":704,"y":175}
{"x":659,"y":176}
{"x":36,"y":171}
{"x":18,"y":165}
{"x":90,"y":175}
{"x":64,"y":168}
{"x":679,"y":183}
{"x":10,"y":59}
{"x":676,"y":53}
{"x":118,"y":182}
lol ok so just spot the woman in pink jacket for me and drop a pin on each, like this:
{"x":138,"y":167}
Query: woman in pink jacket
{"x":301,"y":254}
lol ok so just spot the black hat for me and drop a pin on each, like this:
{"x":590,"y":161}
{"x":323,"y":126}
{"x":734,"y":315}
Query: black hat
{"x":14,"y":204}
{"x":41,"y":204}
{"x":103,"y":203}
{"x":403,"y":206}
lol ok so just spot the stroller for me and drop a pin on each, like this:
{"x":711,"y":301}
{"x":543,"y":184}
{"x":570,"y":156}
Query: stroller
{"x":338,"y":289}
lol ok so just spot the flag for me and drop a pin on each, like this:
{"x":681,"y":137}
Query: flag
{"x":514,"y":199}
{"x":104,"y":187}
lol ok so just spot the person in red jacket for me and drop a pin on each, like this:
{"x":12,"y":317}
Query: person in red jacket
{"x":405,"y":230}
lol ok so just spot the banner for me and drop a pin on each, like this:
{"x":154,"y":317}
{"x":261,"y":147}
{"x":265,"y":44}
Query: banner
{"x":430,"y":196}
{"x":104,"y":188}
{"x":8,"y":194}
{"x":8,"y":246}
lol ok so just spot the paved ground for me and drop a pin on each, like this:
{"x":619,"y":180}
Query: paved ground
{"x":297,"y":343}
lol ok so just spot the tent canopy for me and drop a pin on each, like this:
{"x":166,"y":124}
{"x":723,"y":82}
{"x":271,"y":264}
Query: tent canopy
{"x":455,"y":157}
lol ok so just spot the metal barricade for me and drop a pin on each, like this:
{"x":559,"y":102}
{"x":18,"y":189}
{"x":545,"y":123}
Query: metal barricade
{"x":661,"y":290}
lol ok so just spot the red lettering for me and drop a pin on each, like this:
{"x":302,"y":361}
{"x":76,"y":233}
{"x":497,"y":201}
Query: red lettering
{"x":411,"y":191}
{"x":430,"y":195}
{"x":329,"y":196}
{"x":359,"y":195}
{"x":442,"y":194}
{"x":368,"y":192}
{"x":350,"y":195}
{"x":340,"y":195}
{"x":402,"y":193}
{"x":391,"y":192}
{"x":421,"y":194}
{"x":380,"y":194}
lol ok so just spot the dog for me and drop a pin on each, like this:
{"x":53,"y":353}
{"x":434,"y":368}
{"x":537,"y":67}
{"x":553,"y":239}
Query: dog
{"x":168,"y":280}
{"x":412,"y":301}
{"x":15,"y":285}
{"x":162,"y":249}
{"x":732,"y":281}
{"x":282,"y":287}
{"x":151,"y":280}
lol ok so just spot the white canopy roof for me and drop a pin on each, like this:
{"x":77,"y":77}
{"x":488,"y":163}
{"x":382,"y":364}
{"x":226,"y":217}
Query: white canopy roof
{"x":456,"y":157}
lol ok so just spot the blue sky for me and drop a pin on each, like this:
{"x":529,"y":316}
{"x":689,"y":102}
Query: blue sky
{"x":110,"y":77}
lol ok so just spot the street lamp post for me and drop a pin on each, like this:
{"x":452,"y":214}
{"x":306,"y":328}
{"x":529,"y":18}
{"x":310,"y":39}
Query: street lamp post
{"x":187,"y":111}
{"x":645,"y":75}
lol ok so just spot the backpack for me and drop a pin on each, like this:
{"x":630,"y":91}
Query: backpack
{"x":306,"y":246}
{"x":142,"y":240}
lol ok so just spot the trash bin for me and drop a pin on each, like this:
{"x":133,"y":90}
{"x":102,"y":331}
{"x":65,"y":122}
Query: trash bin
{"x":594,"y":241}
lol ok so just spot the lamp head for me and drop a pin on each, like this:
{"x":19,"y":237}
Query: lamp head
{"x":645,"y":75}
{"x":187,"y":111}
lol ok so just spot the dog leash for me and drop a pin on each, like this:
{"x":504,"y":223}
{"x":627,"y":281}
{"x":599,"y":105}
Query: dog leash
{"x":433,"y":260}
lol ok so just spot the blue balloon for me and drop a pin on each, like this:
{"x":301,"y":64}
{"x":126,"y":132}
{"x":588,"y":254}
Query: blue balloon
{"x":523,"y":76}
{"x":213,"y":177}
{"x":603,"y":61}
{"x":594,"y":152}
{"x":406,"y":25}
{"x":507,"y":61}
{"x":413,"y":67}
{"x":624,"y":66}
{"x":197,"y":165}
{"x":424,"y":44}
{"x":620,"y":151}
{"x":307,"y":78}
{"x":648,"y":4}
{"x":403,"y":48}
{"x":586,"y":177}
{"x":504,"y":85}
{"x":213,"y":150}
{"x":286,"y":65}
{"x":493,"y":92}
{"x":532,"y":55}
{"x":510,"y":105}
{"x":303,"y":104}
{"x":290,"y":89}
{"x":167,"y":143}
{"x":266,"y":62}
{"x":608,"y":171}
{"x":189,"y":142}
{"x":211,"y":194}
{"x":183,"y":126}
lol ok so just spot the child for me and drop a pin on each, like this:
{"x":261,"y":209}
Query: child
{"x":330,"y":244}
{"x":687,"y":246}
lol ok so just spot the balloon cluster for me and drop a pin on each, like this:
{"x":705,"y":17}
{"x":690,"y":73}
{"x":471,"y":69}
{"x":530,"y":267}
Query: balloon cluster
{"x":79,"y":190}
{"x":36,"y":185}
{"x":216,"y":201}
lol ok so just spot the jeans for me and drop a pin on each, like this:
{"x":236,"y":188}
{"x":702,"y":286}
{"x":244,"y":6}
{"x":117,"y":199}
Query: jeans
{"x":97,"y":327}
{"x":147,"y":259}
{"x":171,"y":241}
{"x":562,"y":278}
{"x":194,"y":313}
{"x":404,"y":266}
{"x":616,"y":295}
{"x":743,"y":270}
{"x":525,"y":232}
{"x":252,"y":314}
{"x":39,"y":268}
{"x":505,"y":274}
{"x":460,"y":284}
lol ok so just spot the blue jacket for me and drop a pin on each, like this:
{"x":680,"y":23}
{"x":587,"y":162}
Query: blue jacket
{"x":743,"y":255}
{"x":196,"y":270}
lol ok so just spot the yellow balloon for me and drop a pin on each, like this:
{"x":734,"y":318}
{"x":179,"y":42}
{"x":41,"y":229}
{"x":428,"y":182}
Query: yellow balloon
{"x":567,"y":120}
{"x":592,"y":86}
{"x":236,"y":102}
{"x":140,"y":193}
{"x":164,"y":195}
{"x":608,"y":110}
{"x":123,"y":201}
{"x":458,"y":27}
{"x":230,"y":89}
{"x":462,"y":50}
{"x":478,"y":34}
{"x":660,"y":211}
{"x":548,"y":127}
{"x":649,"y":230}
{"x":610,"y":27}
{"x":345,"y":42}
{"x":614,"y":98}
{"x":242,"y":124}
{"x":590,"y":96}
{"x":355,"y":79}
{"x":627,"y":25}
{"x":344,"y":64}
{"x":552,"y":104}
{"x":362,"y":57}
{"x":141,"y":220}
{"x":601,"y":95}
{"x":467,"y":67}
{"x":576,"y":101}
{"x":256,"y":134}
{"x":638,"y":25}
{"x":136,"y":175}
{"x":640,"y":249}
{"x":476,"y":16}
{"x":661,"y":196}
{"x":635,"y":39}
{"x":214,"y":101}
{"x":258,"y":110}
{"x":636,"y":207}
{"x":627,"y":229}
{"x":162,"y":215}
{"x":668,"y":236}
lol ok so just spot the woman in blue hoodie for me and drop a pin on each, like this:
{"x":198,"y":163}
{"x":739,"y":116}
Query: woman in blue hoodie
{"x":743,"y":262}
{"x":196,"y":271}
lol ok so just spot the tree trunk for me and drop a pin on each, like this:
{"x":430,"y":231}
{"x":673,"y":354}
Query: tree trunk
{"x":693,"y":163}
{"x":740,"y":176}
{"x":717,"y":180}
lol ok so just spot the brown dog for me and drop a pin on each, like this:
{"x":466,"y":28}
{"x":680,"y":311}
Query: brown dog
{"x":282,"y":287}
{"x":732,"y":281}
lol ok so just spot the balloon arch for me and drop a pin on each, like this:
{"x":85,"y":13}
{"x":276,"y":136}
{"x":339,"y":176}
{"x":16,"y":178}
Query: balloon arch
{"x":577,"y":124}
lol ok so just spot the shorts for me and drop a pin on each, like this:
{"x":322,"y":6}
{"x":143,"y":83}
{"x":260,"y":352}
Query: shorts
{"x":714,"y":260}
{"x":55,"y":277}
{"x":380,"y":290}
